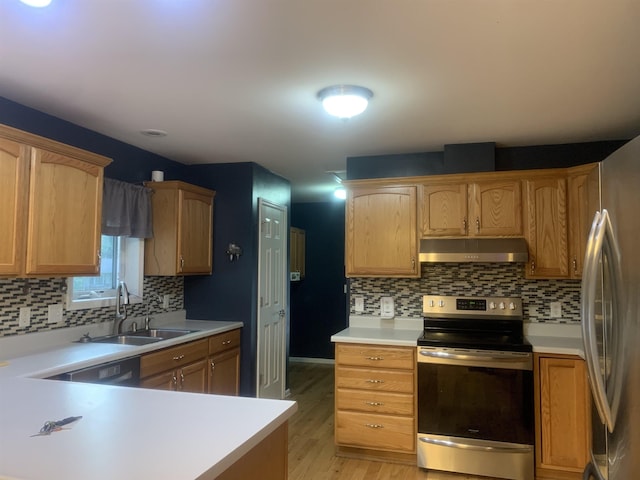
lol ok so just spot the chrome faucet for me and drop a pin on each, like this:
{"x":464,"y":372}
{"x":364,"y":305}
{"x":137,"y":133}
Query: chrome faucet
{"x":122,"y":300}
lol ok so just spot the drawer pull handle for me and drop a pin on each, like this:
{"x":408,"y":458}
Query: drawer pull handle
{"x":226,"y":342}
{"x":179,"y":357}
{"x":375,"y":358}
{"x":374,"y":404}
{"x":373,"y":425}
{"x":375,"y":381}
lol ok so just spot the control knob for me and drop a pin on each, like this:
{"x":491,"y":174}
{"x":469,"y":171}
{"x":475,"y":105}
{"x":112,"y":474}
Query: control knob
{"x":492,"y":305}
{"x":501,"y":305}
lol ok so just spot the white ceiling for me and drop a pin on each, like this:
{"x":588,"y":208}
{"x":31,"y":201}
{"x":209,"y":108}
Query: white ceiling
{"x":236,"y":80}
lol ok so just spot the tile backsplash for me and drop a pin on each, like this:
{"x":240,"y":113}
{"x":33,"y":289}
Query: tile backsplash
{"x":39,"y":293}
{"x":472,"y":279}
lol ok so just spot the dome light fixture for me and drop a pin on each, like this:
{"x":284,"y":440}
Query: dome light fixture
{"x":36,"y":3}
{"x":345,"y":101}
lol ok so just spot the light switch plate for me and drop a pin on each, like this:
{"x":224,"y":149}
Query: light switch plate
{"x":556,"y":310}
{"x":387,"y":309}
{"x":359,"y":304}
{"x":165,"y":301}
{"x":25,"y":317}
{"x":54,"y":313}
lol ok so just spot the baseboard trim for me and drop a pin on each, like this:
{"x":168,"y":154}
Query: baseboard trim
{"x":326,"y":361}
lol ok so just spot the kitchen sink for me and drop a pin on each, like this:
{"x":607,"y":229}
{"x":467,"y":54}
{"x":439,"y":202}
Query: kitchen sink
{"x":162,"y":333}
{"x":124,"y":339}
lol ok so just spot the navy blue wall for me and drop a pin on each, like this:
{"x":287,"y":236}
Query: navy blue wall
{"x":318,"y":303}
{"x":231,"y":292}
{"x":130,"y":164}
{"x":464,"y":158}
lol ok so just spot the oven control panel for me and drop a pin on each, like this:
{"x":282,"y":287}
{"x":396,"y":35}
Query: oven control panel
{"x":471,"y":306}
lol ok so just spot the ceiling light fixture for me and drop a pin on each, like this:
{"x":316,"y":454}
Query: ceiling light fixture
{"x":345,"y":101}
{"x":340,"y":193}
{"x":36,"y":3}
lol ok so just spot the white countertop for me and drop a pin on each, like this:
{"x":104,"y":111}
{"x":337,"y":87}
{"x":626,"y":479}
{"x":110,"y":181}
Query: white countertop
{"x":564,"y":339}
{"x":374,"y":330}
{"x":125,"y":433}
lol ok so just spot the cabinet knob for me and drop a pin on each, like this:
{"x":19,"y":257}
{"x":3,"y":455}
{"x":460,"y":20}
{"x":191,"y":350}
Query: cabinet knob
{"x":575,"y":265}
{"x":179,"y":357}
{"x":213,"y":366}
{"x":464,"y":225}
{"x":373,"y":425}
{"x":533,"y":267}
{"x":181,"y":380}
{"x":374,"y":404}
{"x":477,"y":225}
{"x":181,"y":263}
{"x":174,"y":381}
{"x":375,"y":381}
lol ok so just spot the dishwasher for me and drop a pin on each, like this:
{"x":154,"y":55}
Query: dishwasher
{"x":125,"y":372}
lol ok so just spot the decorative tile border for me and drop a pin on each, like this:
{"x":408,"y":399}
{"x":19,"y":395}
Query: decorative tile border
{"x":44,"y":292}
{"x":472,"y":279}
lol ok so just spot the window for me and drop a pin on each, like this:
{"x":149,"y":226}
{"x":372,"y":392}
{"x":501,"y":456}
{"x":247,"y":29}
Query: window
{"x":122,"y":259}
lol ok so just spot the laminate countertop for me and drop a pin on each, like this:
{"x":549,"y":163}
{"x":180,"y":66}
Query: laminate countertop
{"x":124,"y":433}
{"x":552,"y":338}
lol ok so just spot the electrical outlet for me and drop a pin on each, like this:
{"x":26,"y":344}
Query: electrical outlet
{"x":359,"y":304}
{"x":25,"y":317}
{"x":165,"y":301}
{"x":54,"y":313}
{"x":387,"y":309}
{"x":556,"y":309}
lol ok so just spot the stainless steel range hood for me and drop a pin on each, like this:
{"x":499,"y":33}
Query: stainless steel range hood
{"x":473,"y":250}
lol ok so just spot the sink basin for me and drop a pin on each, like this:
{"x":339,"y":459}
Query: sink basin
{"x":126,"y":339}
{"x":163,"y":333}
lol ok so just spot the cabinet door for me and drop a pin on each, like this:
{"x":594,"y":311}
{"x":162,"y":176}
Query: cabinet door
{"x":546,"y":228}
{"x":193,"y":377}
{"x":224,"y":372}
{"x":65,"y":208}
{"x":195,"y":233}
{"x":162,"y":381}
{"x":495,"y":209}
{"x":444,"y":210}
{"x":381,"y":235}
{"x":13,"y":198}
{"x":583,"y":203}
{"x":563,"y":415}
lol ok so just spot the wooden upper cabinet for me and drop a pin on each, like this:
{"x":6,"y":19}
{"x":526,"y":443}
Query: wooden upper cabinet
{"x":583,"y":194}
{"x":381,"y":237}
{"x":13,"y":198}
{"x":496,"y":208}
{"x":182,"y":242}
{"x":444,"y":209}
{"x":546,"y":226}
{"x":52,"y":206}
{"x":65,"y":212}
{"x":490,"y":208}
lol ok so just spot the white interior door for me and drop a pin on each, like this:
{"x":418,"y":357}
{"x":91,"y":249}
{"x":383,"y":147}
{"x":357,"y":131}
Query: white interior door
{"x":272,"y":291}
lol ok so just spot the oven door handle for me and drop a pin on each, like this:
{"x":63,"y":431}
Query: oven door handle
{"x":479,"y":359}
{"x":482,"y":448}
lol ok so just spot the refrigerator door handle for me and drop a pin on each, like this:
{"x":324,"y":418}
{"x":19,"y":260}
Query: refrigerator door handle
{"x":601,"y":239}
{"x":591,"y":472}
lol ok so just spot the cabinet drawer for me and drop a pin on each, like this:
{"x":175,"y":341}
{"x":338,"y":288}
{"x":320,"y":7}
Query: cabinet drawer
{"x":224,"y":341}
{"x":382,"y":432}
{"x":173,"y":357}
{"x":374,"y":379}
{"x":375,"y":402}
{"x":375,"y":356}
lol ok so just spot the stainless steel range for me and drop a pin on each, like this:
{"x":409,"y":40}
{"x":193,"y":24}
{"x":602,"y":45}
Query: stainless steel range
{"x":475,"y":388}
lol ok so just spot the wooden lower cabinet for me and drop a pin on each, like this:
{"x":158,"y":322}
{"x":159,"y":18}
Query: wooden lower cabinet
{"x":267,"y":461}
{"x":209,"y":365}
{"x":224,"y":363}
{"x":375,"y":402}
{"x":563,"y":416}
{"x":181,"y":368}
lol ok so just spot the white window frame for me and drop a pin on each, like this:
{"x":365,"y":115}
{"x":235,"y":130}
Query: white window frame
{"x":130,"y":270}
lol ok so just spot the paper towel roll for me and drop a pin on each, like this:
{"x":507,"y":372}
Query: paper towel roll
{"x":157,"y":176}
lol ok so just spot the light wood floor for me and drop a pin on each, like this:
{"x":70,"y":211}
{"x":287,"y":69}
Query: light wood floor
{"x":311,"y":446}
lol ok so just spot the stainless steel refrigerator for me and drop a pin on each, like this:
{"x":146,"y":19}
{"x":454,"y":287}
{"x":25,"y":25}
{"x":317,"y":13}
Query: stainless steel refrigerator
{"x":611,"y":318}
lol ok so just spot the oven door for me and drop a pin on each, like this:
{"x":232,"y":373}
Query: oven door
{"x":475,"y":412}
